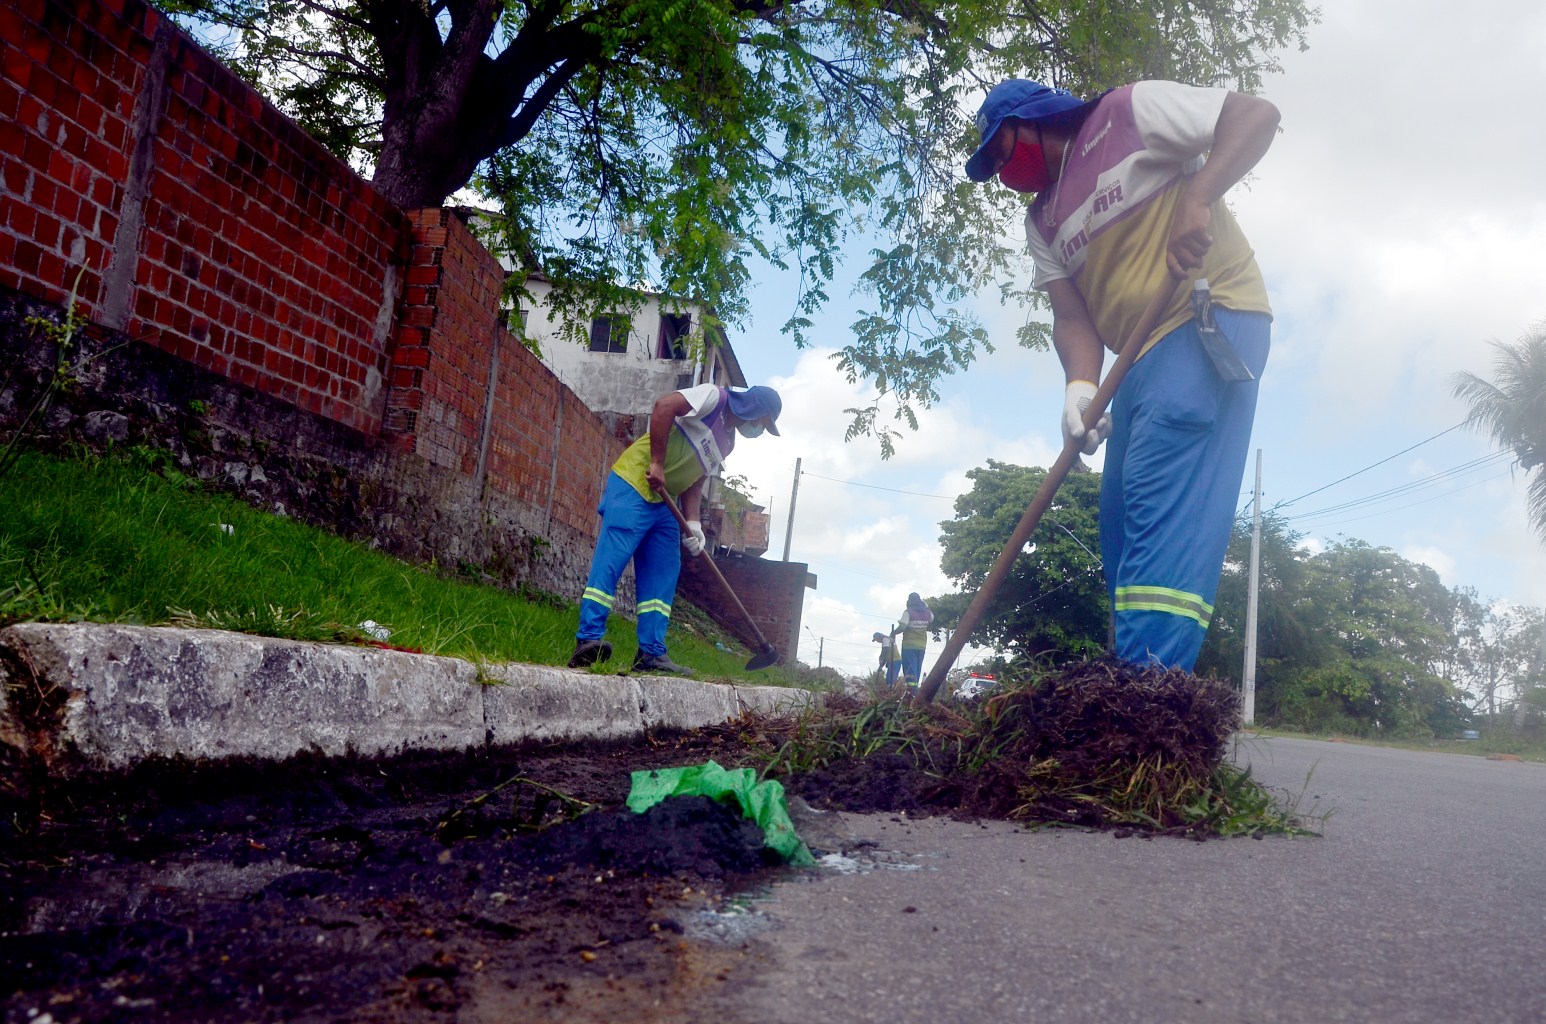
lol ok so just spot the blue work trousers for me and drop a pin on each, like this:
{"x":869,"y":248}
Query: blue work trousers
{"x":645,"y":531}
{"x":1170,"y":487}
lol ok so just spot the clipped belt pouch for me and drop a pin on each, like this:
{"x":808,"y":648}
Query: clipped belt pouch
{"x":1221,"y":351}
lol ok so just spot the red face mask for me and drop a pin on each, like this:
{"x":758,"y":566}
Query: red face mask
{"x":1026,"y":169}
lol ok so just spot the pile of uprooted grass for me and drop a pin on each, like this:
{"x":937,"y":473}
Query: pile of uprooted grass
{"x":1100,"y":744}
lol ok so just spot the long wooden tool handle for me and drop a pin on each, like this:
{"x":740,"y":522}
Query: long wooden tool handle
{"x":1043,"y":499}
{"x":681,"y":521}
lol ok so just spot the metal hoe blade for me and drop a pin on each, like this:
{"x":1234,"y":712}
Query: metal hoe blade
{"x":765,"y":658}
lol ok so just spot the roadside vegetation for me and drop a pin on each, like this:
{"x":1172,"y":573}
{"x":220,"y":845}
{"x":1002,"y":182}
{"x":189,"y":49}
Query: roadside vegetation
{"x":1352,"y":639}
{"x":127,"y":538}
{"x":1097,"y":744}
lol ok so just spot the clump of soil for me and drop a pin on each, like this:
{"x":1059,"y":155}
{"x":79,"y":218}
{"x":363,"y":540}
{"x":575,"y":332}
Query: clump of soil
{"x":1102,"y":743}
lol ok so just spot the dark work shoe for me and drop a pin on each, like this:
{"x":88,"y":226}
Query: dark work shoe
{"x":588,"y":652}
{"x":660,"y":664}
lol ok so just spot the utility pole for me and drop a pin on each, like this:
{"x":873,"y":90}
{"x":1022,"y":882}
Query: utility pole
{"x":789,"y":526}
{"x":1248,"y":674}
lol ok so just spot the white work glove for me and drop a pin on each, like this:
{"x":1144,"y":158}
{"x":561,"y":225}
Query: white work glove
{"x":1075,"y":401}
{"x":694,"y":540}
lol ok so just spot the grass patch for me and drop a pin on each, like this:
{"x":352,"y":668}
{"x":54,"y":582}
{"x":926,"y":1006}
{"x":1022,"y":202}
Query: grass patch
{"x":128,"y":539}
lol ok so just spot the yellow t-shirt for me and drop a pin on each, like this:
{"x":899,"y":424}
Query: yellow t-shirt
{"x":684,"y":464}
{"x":1106,"y":220}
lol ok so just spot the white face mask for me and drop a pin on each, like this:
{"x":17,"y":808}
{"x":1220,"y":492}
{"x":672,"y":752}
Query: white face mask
{"x":749,"y":429}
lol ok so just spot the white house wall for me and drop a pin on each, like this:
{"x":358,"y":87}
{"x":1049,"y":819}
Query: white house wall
{"x":625,"y":383}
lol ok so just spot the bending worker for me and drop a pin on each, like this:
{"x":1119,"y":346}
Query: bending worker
{"x":691,"y":432}
{"x":1129,"y":191}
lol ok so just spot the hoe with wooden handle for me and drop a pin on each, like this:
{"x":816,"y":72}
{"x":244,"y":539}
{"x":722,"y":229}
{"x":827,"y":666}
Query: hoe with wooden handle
{"x":1043,"y":499}
{"x":766,"y":654}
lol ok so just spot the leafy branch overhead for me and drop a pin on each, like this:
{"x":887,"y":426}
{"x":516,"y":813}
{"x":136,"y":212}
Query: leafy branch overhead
{"x":688,"y":142}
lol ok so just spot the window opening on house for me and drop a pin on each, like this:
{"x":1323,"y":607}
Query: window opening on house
{"x":674,"y":329}
{"x":515,"y":319}
{"x":607,"y":334}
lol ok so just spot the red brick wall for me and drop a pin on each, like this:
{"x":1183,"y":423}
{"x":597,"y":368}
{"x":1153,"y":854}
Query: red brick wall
{"x":200,"y":219}
{"x":66,"y":97}
{"x":557,"y":461}
{"x":447,"y":328}
{"x":531,"y":438}
{"x":202,"y":222}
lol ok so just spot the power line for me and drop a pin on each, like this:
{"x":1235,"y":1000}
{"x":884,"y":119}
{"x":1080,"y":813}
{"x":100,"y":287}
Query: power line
{"x":840,"y":567}
{"x":1424,"y":501}
{"x":1443,"y":476}
{"x":846,"y":643}
{"x":877,"y":487}
{"x":1419,"y":444}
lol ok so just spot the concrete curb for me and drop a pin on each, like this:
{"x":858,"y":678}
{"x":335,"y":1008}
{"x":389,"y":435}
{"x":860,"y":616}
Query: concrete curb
{"x":94,"y":697}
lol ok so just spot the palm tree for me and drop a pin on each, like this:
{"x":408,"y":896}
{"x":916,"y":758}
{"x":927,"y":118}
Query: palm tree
{"x":1512,"y":408}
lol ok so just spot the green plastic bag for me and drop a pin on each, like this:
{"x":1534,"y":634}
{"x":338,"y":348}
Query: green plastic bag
{"x":762,"y":802}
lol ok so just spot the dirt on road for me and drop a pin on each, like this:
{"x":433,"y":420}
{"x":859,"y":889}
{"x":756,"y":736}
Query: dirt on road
{"x":404,"y":889}
{"x":471,"y":887}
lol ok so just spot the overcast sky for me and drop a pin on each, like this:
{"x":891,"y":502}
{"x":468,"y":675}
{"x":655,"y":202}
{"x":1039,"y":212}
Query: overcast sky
{"x":1402,"y":229}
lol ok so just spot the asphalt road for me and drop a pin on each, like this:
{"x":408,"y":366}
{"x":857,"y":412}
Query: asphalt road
{"x":1423,"y":901}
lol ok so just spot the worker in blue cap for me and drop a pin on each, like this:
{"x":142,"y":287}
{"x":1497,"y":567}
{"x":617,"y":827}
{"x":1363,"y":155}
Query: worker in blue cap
{"x":691,"y":432}
{"x":1129,"y":193}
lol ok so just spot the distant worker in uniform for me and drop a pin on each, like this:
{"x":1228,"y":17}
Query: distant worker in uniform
{"x":890,"y":658}
{"x":914,"y":628}
{"x":691,"y":432}
{"x":1129,"y":193}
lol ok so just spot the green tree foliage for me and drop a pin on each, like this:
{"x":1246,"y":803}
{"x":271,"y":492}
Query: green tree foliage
{"x":1512,"y":408}
{"x":1283,"y":638}
{"x":1354,"y":639}
{"x":1384,"y":614}
{"x":679,"y":141}
{"x":1054,"y":599}
{"x":1500,"y":655}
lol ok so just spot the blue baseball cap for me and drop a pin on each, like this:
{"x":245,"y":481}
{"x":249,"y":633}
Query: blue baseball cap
{"x":757,"y":402}
{"x":1026,"y":100}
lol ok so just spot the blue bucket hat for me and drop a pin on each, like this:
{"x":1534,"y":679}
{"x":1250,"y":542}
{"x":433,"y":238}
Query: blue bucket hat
{"x":756,"y":402}
{"x":1027,"y":101}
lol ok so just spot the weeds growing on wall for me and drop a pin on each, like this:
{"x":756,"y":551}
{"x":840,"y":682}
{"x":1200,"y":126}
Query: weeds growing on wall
{"x":64,"y":336}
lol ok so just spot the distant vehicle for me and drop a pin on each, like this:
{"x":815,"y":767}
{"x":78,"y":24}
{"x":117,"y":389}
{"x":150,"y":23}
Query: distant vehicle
{"x":975,"y":685}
